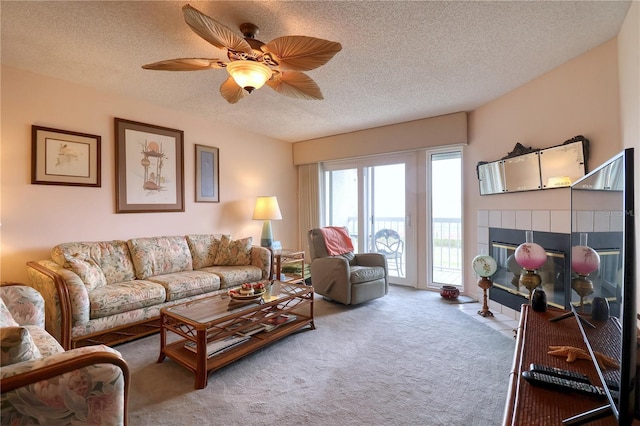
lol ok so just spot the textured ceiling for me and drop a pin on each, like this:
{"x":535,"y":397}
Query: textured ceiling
{"x":400,"y":60}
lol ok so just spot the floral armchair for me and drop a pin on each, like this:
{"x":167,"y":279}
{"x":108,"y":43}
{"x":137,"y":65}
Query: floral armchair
{"x":43,"y":384}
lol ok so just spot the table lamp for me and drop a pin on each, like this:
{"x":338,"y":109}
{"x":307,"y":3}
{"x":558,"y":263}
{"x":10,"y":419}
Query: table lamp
{"x":484,"y":266}
{"x":267,"y":209}
{"x":584,"y":260}
{"x":530,"y":256}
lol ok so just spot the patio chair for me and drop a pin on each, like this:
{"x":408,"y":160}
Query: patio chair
{"x":389,"y":243}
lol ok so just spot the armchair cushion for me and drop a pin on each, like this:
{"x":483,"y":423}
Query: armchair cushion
{"x":16,"y":345}
{"x":361,"y":274}
{"x":234,"y":252}
{"x":86,"y":385}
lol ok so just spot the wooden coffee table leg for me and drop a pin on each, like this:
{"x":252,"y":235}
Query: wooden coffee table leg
{"x":163,"y":339}
{"x":201,"y":359}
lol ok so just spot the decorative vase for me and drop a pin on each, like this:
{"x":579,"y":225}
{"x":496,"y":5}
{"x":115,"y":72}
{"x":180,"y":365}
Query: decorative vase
{"x":449,"y":292}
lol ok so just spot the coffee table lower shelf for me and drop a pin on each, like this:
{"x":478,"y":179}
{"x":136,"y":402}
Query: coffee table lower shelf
{"x":191,"y":360}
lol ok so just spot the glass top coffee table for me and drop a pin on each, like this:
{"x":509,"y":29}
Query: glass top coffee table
{"x":218,"y":330}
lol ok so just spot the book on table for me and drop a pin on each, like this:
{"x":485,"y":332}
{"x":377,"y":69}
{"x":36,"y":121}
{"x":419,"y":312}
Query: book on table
{"x":273,"y":322}
{"x":216,"y":347}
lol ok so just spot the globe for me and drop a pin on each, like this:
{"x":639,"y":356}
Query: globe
{"x":584,"y":260}
{"x":530,"y":255}
{"x":484,"y":265}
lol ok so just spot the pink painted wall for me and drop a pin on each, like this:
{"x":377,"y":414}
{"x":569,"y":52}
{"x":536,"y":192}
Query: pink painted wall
{"x":578,"y":98}
{"x":36,"y":217}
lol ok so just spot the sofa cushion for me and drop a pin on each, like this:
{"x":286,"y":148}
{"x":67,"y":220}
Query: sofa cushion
{"x":124,"y":297}
{"x":6,"y":319}
{"x":234,"y":252}
{"x":160,"y":255}
{"x":204,"y":248}
{"x":361,"y":274}
{"x":16,"y":345}
{"x":112,"y":257}
{"x":87,"y":269}
{"x":184,"y":284}
{"x":231,"y":276}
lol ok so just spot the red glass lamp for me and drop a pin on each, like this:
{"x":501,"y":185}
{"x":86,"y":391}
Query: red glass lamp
{"x":584,"y":261}
{"x":530,"y":256}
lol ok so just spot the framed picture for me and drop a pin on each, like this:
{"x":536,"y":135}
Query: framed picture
{"x":60,"y":157}
{"x":149,"y":168}
{"x":207,"y":174}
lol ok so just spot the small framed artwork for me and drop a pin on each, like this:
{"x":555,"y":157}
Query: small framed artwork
{"x":149,"y":168}
{"x":61,"y":157}
{"x":207,"y":174}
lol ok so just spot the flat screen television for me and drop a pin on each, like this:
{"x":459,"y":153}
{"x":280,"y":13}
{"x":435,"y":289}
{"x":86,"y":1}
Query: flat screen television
{"x":602,"y":216}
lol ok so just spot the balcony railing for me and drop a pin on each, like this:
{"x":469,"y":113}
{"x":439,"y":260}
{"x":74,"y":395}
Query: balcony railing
{"x":446,"y":250}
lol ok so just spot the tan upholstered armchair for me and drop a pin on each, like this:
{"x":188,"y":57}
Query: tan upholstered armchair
{"x":347,"y":278}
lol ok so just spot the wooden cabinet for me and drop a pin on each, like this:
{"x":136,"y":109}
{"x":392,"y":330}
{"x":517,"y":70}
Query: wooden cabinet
{"x":288,"y":266}
{"x":528,"y":404}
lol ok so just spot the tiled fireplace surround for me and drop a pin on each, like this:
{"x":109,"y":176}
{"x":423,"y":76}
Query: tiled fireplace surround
{"x":534,"y":220}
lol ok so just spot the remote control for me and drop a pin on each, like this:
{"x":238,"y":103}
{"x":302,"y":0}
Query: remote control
{"x":553,"y":382}
{"x":559,"y":372}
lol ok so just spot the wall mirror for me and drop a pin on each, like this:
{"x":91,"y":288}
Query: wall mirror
{"x":529,"y":169}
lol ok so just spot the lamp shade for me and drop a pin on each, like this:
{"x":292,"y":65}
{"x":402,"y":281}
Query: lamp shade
{"x":249,"y":75}
{"x":530,"y":255}
{"x":484,"y":265}
{"x":267,"y":208}
{"x":584,"y":260}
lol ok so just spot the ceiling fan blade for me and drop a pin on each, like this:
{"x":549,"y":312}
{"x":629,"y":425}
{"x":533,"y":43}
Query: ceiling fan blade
{"x":296,"y":85}
{"x":301,"y":53}
{"x":184,"y":64}
{"x":214,"y":32}
{"x":231,"y":91}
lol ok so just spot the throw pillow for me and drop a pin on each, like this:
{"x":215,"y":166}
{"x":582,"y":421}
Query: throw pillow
{"x":6,"y":319}
{"x":234,"y":252}
{"x":16,"y":345}
{"x":204,"y":248}
{"x":87,"y":269}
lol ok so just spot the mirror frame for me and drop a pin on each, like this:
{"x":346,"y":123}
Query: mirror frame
{"x":508,"y":175}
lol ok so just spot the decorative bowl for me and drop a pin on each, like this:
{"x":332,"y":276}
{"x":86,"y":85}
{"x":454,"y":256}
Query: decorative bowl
{"x":449,"y":292}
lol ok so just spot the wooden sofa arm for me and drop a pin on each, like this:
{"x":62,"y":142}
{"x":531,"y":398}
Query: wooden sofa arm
{"x":62,"y":294}
{"x":72,"y":363}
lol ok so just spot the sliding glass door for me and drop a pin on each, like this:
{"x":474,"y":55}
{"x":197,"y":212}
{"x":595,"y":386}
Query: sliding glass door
{"x":375,"y":199}
{"x":446,"y":217}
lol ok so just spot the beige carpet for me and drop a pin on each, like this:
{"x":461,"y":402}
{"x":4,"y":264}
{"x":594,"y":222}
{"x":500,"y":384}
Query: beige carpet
{"x":406,"y":359}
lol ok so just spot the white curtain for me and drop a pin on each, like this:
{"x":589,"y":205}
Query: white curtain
{"x":308,"y":202}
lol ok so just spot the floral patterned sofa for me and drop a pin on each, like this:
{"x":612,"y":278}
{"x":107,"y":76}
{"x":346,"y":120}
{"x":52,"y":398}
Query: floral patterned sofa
{"x":109,"y":292}
{"x":44,"y":384}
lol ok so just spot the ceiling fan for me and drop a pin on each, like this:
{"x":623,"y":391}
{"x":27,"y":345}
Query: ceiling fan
{"x":252,"y":63}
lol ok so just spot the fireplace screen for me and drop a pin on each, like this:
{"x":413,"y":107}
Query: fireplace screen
{"x":552,"y":274}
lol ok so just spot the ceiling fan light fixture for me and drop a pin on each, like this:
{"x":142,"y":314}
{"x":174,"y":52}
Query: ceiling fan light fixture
{"x":249,"y":75}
